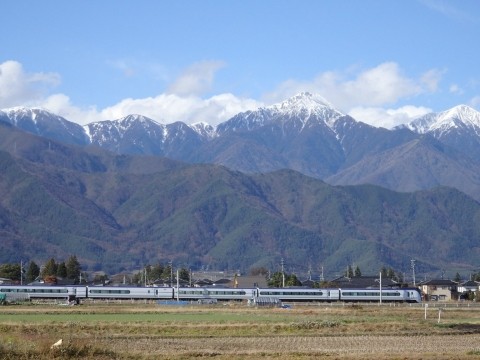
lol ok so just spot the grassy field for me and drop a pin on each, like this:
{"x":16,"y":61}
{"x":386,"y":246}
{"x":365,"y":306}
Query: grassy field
{"x":235,"y":331}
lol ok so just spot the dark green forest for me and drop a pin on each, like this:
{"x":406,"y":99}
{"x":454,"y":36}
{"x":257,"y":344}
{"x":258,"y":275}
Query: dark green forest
{"x":119,"y":212}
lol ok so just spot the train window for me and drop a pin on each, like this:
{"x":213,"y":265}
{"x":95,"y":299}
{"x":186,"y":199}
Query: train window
{"x":109,"y":291}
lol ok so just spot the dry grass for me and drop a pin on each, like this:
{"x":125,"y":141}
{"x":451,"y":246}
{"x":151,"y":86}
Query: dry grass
{"x":143,"y":331}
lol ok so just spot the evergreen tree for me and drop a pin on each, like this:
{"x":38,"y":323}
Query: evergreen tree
{"x":156,"y":272}
{"x":50,"y":268}
{"x":276,"y":280}
{"x":167,"y":274}
{"x":73,"y":269}
{"x":10,"y":271}
{"x":390,"y":273}
{"x":62,"y":270}
{"x":33,"y":271}
{"x":184,"y":274}
{"x":292,"y":280}
{"x":358,"y":273}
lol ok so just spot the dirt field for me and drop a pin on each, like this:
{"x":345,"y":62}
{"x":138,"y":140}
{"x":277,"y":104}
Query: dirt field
{"x":148,"y":331}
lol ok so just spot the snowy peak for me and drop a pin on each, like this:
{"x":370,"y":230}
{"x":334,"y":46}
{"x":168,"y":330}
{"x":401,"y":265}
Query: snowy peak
{"x":304,"y":105}
{"x":204,"y":130}
{"x":463,"y":113}
{"x":461,"y":116}
{"x":41,"y":122}
{"x":302,"y":101}
{"x":18,"y":114}
{"x":137,"y":119}
{"x":300,"y":111}
{"x":133,"y":125}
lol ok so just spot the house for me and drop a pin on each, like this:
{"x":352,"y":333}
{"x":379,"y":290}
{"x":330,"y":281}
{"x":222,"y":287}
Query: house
{"x":469,"y":285}
{"x":309,"y":283}
{"x":439,"y":290}
{"x":468,"y":289}
{"x":5,"y":281}
{"x":251,"y":281}
{"x":358,"y":282}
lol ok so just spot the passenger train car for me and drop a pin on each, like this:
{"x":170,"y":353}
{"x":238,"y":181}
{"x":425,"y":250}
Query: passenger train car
{"x":117,"y":292}
{"x":192,"y":293}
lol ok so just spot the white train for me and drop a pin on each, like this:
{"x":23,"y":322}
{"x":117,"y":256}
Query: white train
{"x":192,"y":293}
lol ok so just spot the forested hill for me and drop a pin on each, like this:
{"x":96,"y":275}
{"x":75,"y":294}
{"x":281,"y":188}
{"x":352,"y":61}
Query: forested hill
{"x":119,"y":212}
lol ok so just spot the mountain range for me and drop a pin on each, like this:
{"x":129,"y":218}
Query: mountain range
{"x":67,"y":188}
{"x":304,"y":133}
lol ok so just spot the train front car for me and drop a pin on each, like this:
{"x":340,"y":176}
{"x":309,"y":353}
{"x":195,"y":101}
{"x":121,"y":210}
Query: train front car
{"x":387,"y":295}
{"x":412,"y":295}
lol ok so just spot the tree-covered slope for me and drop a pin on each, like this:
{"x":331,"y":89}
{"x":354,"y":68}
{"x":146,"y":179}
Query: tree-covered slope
{"x":125,"y":211}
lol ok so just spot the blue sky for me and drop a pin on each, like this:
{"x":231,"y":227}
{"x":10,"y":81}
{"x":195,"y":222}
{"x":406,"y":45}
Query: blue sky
{"x":383,"y":62}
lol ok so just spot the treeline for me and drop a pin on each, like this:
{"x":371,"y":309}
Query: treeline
{"x":70,"y":269}
{"x":279,"y":279}
{"x":160,"y":273}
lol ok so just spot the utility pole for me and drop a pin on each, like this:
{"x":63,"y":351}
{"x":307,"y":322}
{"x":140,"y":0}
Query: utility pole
{"x":21,"y":272}
{"x":178,"y":285}
{"x":283,"y":275}
{"x":413,"y":271}
{"x":380,"y":288}
{"x":171,"y":273}
{"x":322,"y":278}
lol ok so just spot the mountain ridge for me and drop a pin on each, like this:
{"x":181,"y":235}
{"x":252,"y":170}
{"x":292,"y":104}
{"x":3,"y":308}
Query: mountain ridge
{"x":304,"y":133}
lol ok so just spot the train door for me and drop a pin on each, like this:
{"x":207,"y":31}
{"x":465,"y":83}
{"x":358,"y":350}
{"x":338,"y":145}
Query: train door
{"x":333,"y":294}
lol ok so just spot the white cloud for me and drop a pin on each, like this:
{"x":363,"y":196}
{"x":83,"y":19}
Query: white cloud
{"x":133,"y":67}
{"x":379,"y":86}
{"x":189,"y":109}
{"x":431,"y":79}
{"x":455,"y":89}
{"x":60,"y":104}
{"x":18,"y":88}
{"x":449,"y":10}
{"x":364,"y":94}
{"x":388,"y":118}
{"x":196,"y":79}
{"x":164,"y":108}
{"x":475,"y":102}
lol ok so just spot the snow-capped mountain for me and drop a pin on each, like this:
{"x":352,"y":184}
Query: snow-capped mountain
{"x":297,"y":112}
{"x":461,"y":116}
{"x":44,"y":123}
{"x":458,"y":127}
{"x":131,"y":134}
{"x":137,"y":134}
{"x":305,"y":106}
{"x":304,"y":133}
{"x":205,"y":130}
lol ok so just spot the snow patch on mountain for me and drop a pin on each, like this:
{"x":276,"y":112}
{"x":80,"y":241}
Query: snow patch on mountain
{"x":461,"y":116}
{"x":204,"y":129}
{"x":302,"y":110}
{"x":304,"y":106}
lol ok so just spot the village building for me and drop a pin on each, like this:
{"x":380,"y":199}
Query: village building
{"x":439,"y":290}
